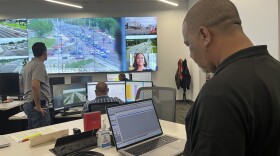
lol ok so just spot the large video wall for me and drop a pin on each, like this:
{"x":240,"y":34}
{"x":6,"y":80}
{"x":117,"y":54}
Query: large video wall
{"x":81,"y":45}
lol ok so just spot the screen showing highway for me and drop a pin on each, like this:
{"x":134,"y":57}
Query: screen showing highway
{"x":69,"y":95}
{"x":79,"y":45}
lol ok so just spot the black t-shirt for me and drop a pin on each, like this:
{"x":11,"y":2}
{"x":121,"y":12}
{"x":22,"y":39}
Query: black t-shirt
{"x":124,"y":79}
{"x":237,"y":112}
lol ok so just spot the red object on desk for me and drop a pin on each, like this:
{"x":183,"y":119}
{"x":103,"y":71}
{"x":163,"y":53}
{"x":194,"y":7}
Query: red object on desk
{"x":92,"y":121}
{"x":24,"y":140}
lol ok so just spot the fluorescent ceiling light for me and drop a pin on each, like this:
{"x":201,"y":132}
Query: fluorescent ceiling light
{"x":64,"y":3}
{"x":169,"y":2}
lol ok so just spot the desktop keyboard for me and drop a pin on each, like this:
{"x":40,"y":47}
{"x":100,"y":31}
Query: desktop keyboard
{"x":151,"y":145}
{"x":70,"y":113}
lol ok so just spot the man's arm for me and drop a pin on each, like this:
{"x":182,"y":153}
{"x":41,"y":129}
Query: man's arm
{"x":36,"y":96}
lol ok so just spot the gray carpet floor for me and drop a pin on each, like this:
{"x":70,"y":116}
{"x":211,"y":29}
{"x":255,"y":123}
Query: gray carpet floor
{"x":182,"y":109}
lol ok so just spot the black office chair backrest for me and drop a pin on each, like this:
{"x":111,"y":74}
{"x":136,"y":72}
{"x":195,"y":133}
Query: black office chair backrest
{"x":93,"y":107}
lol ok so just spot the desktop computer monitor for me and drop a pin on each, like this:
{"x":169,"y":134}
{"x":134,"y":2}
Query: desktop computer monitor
{"x":9,"y":85}
{"x":66,"y":96}
{"x":116,"y":89}
{"x":132,"y":87}
{"x":115,"y":76}
{"x":141,"y":76}
{"x":56,"y":81}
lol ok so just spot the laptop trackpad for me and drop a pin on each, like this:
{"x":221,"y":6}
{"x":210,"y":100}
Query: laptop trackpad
{"x":179,"y":144}
{"x":163,"y":151}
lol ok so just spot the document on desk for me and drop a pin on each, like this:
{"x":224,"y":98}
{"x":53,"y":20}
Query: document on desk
{"x":4,"y":142}
{"x":26,"y":135}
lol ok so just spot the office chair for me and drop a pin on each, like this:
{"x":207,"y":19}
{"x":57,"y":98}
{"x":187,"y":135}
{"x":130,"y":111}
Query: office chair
{"x":93,"y":107}
{"x":164,"y":99}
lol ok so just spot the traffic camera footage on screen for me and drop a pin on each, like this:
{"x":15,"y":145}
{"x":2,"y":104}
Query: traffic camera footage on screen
{"x":79,"y":44}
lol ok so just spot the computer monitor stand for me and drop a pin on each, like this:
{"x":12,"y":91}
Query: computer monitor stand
{"x":3,"y":97}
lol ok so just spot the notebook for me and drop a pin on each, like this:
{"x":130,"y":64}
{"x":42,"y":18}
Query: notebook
{"x":137,"y":131}
{"x":4,"y":142}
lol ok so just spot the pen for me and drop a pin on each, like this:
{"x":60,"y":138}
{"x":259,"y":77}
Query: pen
{"x":30,"y":136}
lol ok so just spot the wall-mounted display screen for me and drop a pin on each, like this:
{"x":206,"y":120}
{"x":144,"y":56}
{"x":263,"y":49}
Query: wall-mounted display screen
{"x":81,"y":45}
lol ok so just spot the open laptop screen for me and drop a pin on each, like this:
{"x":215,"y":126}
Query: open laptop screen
{"x":134,"y":122}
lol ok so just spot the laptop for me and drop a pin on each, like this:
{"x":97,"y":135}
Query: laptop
{"x":137,"y":131}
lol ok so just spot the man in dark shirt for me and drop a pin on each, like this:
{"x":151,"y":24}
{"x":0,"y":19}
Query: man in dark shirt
{"x":122,"y":77}
{"x":237,"y":112}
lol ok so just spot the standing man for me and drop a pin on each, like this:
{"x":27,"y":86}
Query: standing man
{"x":237,"y":112}
{"x":36,"y":88}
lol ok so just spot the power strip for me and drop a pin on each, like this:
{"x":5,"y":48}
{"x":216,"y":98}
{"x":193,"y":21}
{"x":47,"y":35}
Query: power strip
{"x":73,"y":143}
{"x":76,"y":146}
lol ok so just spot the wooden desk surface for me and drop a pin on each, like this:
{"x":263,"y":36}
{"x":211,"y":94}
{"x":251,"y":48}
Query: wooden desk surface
{"x":23,"y":149}
{"x":10,"y":105}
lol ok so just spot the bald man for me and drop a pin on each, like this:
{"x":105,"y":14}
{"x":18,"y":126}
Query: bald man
{"x":101,"y":92}
{"x":237,"y":112}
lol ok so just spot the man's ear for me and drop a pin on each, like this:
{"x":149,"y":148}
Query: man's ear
{"x":205,"y":35}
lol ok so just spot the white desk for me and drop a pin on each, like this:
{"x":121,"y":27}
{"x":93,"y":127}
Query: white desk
{"x":18,"y":116}
{"x":10,"y":105}
{"x":23,"y":149}
{"x":22,"y":116}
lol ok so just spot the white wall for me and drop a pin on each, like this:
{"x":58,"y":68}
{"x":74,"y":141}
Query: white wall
{"x":261,"y":22}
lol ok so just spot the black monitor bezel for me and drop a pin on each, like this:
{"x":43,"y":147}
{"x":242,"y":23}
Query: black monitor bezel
{"x":10,"y":81}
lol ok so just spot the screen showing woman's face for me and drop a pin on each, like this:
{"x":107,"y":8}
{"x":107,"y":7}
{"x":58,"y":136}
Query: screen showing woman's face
{"x":140,"y":60}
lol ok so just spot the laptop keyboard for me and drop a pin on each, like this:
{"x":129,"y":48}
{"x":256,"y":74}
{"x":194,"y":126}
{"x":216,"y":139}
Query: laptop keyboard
{"x":151,"y":145}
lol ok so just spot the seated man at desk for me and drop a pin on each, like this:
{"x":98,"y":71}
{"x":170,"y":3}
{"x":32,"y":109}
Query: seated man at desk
{"x":101,"y":92}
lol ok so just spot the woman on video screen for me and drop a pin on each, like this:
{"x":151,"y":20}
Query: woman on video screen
{"x":140,"y":63}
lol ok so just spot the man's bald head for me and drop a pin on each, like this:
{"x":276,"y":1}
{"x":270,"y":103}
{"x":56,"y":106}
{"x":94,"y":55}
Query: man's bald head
{"x":210,"y":13}
{"x":101,"y":89}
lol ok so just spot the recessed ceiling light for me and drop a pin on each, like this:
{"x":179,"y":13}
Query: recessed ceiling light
{"x":64,"y":3}
{"x":169,"y":2}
